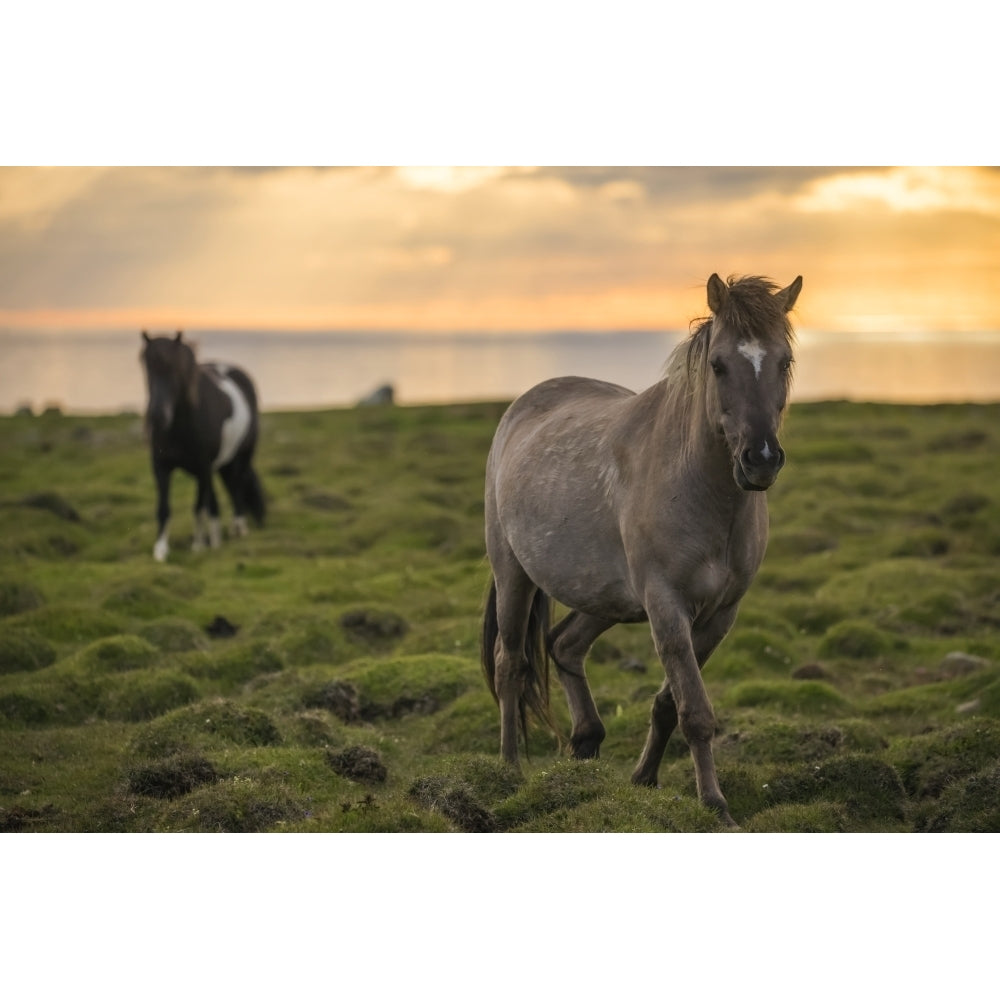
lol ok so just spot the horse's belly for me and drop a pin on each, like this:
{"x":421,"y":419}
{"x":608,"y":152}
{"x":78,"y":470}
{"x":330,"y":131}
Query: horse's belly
{"x":579,"y":570}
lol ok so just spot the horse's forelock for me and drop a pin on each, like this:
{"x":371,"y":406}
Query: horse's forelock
{"x":752,"y":309}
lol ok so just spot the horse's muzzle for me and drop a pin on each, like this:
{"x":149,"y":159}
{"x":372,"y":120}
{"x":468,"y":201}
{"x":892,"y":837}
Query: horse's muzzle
{"x":758,"y":469}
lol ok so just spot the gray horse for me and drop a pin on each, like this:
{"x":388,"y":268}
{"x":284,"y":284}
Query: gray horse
{"x":629,"y":508}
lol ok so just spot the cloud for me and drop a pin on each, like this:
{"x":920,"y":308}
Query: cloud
{"x":487,"y":247}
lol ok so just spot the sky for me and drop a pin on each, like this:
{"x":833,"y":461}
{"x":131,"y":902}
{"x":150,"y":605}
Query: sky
{"x":478,"y":248}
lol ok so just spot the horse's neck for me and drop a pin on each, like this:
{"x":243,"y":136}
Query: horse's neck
{"x":679,"y":448}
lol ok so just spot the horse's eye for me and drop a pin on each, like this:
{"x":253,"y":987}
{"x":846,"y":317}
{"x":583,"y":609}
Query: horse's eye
{"x":718,"y":367}
{"x":786,"y":364}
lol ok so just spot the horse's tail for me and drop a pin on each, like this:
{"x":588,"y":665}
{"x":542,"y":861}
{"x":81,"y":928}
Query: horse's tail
{"x":534,"y":695}
{"x":253,"y":495}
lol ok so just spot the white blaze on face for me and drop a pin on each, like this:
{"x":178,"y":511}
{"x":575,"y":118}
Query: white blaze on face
{"x":754,"y":353}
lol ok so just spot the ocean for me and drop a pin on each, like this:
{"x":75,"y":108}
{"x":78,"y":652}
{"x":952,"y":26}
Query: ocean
{"x":88,"y":372}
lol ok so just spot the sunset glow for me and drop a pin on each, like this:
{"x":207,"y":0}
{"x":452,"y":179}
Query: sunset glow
{"x":883,"y":250}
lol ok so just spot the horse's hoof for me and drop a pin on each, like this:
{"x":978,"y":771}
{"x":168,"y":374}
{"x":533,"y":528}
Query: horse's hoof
{"x":645,"y":780}
{"x":585,"y":749}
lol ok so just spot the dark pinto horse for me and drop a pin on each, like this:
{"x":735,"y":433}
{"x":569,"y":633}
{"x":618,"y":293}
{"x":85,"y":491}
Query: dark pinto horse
{"x":629,"y":508}
{"x":201,"y":418}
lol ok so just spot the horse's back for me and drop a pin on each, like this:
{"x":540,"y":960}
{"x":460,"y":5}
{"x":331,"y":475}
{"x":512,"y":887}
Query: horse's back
{"x":558,"y":404}
{"x":566,"y":390}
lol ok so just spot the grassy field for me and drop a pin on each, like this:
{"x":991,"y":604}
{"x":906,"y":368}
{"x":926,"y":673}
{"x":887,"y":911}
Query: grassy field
{"x":858,"y":691}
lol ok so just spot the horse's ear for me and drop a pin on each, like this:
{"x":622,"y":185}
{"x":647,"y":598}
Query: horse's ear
{"x":145,"y":336}
{"x":180,"y":333}
{"x":787,"y":296}
{"x":717,"y":294}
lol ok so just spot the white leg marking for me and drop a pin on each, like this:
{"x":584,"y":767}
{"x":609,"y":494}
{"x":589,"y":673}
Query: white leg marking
{"x":162,"y":546}
{"x":240,"y":527}
{"x":754,"y":353}
{"x":214,"y":533}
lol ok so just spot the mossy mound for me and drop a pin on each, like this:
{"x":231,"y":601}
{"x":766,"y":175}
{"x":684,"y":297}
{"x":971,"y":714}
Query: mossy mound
{"x":338,"y":697}
{"x":205,"y":726}
{"x":782,"y":741}
{"x":629,"y":809}
{"x":236,"y":665}
{"x":469,"y":723}
{"x":170,"y":777}
{"x":929,"y":763}
{"x":812,"y":817}
{"x":73,"y":623}
{"x":313,"y":729}
{"x":23,"y":651}
{"x":174,"y":635}
{"x":374,"y":626}
{"x":971,"y":805}
{"x":157,"y":596}
{"x":16,"y":596}
{"x":237,"y":804}
{"x":564,"y":786}
{"x":867,"y":786}
{"x":25,"y":709}
{"x":465,"y":788}
{"x":456,"y":801}
{"x":316,"y":641}
{"x":855,"y":640}
{"x":117,"y":654}
{"x":405,"y":685}
{"x":749,"y":650}
{"x":145,"y":694}
{"x":806,"y":697}
{"x":358,"y":763}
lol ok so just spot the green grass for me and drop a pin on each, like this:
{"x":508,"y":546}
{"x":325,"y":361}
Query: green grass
{"x":350,"y":697}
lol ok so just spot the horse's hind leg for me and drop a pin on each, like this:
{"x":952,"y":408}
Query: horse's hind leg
{"x":514,"y":594}
{"x":662,"y":722}
{"x":568,"y":644}
{"x":206,"y":515}
{"x":233,"y":478}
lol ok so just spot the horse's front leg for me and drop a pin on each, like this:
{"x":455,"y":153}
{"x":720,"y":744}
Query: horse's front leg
{"x":207,"y":530}
{"x":683,"y":699}
{"x":161,"y":547}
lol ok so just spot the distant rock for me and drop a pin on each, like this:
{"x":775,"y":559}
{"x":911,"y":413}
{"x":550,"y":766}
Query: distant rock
{"x":630,"y":665}
{"x":384,"y":395}
{"x":957,"y":664}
